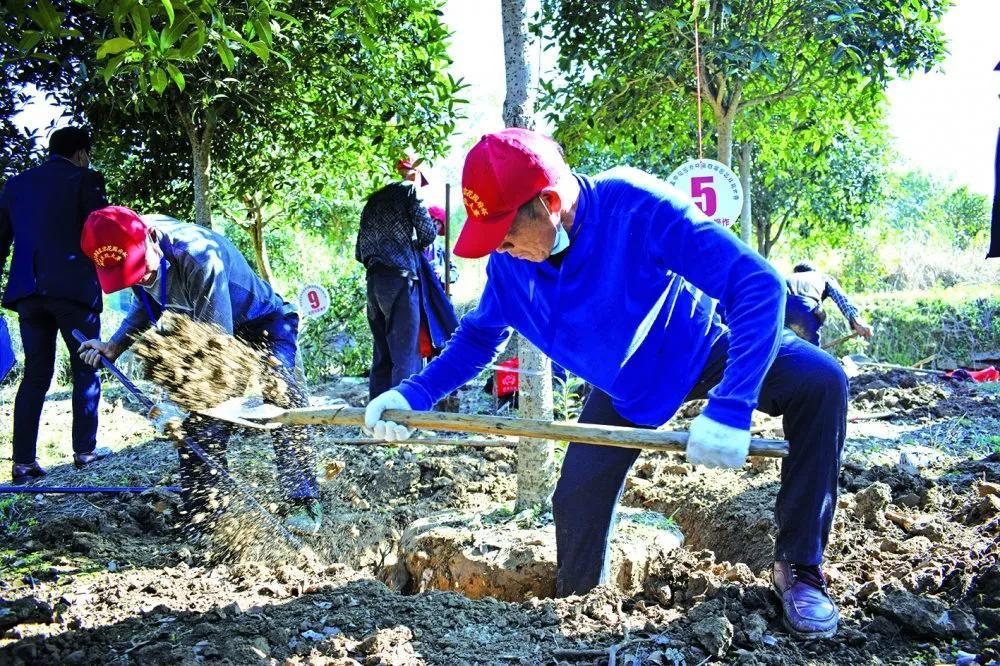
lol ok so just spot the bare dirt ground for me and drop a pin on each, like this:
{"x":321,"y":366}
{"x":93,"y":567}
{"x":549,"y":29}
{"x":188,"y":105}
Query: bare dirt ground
{"x":913,"y":559}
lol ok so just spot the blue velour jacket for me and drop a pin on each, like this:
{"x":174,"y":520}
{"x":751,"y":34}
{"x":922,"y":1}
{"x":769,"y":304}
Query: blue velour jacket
{"x":632,"y":308}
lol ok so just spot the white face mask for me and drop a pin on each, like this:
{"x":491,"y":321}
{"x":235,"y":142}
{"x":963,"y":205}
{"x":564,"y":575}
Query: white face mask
{"x":561,"y":241}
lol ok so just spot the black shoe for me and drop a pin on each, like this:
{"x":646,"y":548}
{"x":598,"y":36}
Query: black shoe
{"x":81,"y":460}
{"x":20,"y":474}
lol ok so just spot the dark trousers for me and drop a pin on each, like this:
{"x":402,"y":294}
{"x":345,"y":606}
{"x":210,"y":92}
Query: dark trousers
{"x":40,"y":318}
{"x":805,"y":386}
{"x":277,"y":336}
{"x":804,"y":323}
{"x":394,"y":317}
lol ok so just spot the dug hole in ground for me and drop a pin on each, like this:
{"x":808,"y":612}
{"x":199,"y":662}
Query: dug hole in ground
{"x":99,"y":579}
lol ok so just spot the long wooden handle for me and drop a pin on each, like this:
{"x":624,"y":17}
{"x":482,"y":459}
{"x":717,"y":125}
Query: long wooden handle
{"x":602,"y":435}
{"x":843,"y":338}
{"x":893,"y":366}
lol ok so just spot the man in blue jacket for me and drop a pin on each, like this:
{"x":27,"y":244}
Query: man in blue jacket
{"x":186,"y":268}
{"x":619,"y":279}
{"x":53,"y":288}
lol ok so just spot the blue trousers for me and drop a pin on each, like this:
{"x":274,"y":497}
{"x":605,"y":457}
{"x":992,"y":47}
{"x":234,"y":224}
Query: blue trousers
{"x":276,"y":335}
{"x":394,"y":318}
{"x":40,"y":318}
{"x":804,"y":385}
{"x":803,"y":322}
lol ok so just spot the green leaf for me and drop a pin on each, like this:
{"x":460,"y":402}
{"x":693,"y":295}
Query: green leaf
{"x":29,"y":41}
{"x":263,"y":29}
{"x":50,"y":16}
{"x":158,"y":78}
{"x":167,"y":5}
{"x":169,"y":36}
{"x":113,"y":46}
{"x":192,"y":44}
{"x":140,"y":21}
{"x":109,"y":69}
{"x":176,"y":75}
{"x":260,"y":48}
{"x":226,"y":55}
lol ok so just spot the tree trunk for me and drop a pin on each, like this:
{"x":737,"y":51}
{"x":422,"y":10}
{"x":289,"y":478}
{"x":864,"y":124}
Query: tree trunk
{"x":536,"y":469}
{"x":519,"y":103}
{"x":201,"y":166}
{"x":746,"y":215}
{"x":257,"y":235}
{"x":724,"y":127}
{"x":536,"y":462}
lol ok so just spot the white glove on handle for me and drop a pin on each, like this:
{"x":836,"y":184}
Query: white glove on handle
{"x":714,"y":444}
{"x":390,"y":431}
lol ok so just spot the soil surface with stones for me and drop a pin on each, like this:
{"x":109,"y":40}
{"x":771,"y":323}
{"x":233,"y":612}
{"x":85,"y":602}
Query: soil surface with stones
{"x":913,"y":558}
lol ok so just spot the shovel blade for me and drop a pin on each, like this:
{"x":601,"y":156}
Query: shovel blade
{"x":245,"y":412}
{"x":253,"y":413}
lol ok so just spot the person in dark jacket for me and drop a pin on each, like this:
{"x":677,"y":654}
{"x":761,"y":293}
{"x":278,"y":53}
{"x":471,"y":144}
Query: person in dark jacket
{"x":53,"y":288}
{"x":186,"y":268}
{"x":395,"y":228}
{"x":804,"y":313}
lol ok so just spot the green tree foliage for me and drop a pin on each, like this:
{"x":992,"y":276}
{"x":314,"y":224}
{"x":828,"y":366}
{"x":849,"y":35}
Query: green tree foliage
{"x":251,"y":88}
{"x":926,"y":209}
{"x":629,"y":66}
{"x":801,"y":74}
{"x":817,"y":195}
{"x":18,"y":147}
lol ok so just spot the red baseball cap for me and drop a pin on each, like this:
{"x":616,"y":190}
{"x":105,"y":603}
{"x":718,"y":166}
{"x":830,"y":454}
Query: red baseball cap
{"x":502,"y":173}
{"x":437,"y":214}
{"x":114,"y":237}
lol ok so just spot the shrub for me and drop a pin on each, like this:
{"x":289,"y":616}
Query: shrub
{"x":910,"y":326}
{"x":339,"y":342}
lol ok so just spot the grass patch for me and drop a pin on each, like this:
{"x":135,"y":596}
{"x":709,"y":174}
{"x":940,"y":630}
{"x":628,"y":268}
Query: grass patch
{"x":15,"y":517}
{"x":909,"y":326}
{"x":15,"y":567}
{"x":653,"y":519}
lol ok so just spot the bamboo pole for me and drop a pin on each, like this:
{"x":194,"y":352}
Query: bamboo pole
{"x":601,"y":435}
{"x":415,"y":441}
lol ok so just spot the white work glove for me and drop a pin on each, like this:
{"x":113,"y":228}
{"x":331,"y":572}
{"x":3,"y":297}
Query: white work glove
{"x":714,"y":444}
{"x":390,"y":431}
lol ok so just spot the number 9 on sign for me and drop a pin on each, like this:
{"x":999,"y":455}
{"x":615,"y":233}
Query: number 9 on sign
{"x":713,"y":188}
{"x":314,"y":300}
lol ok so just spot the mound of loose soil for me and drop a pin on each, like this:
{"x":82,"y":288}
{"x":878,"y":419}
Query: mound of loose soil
{"x":198,"y":364}
{"x":911,"y":395}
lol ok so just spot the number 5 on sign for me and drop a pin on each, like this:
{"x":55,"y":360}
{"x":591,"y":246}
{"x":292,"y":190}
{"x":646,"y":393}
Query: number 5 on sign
{"x":713,"y":188}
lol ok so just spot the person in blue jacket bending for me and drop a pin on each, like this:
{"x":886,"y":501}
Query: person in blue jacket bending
{"x":619,"y":279}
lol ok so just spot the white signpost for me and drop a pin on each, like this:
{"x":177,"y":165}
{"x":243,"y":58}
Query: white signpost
{"x":713,"y":188}
{"x":314,"y":300}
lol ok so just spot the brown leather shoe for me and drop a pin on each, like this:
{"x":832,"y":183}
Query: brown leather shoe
{"x":26,"y":473}
{"x":81,"y":460}
{"x":808,"y":610}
